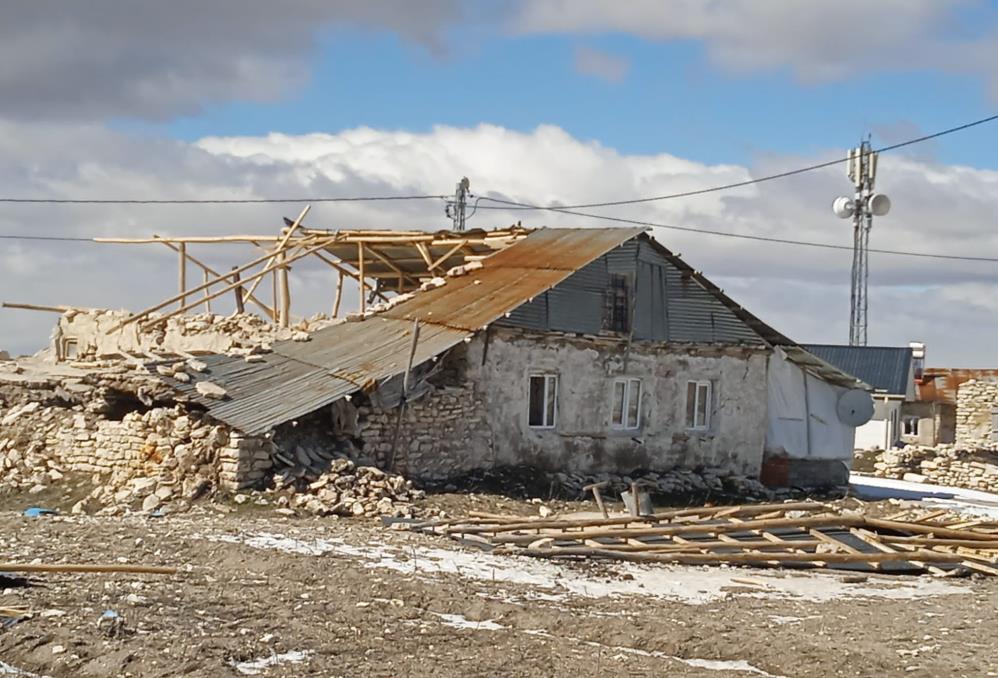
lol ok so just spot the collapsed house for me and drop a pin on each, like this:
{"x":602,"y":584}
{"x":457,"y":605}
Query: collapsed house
{"x":574,"y":351}
{"x":575,"y":355}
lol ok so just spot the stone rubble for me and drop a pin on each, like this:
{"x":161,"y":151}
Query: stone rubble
{"x":95,"y":336}
{"x":669,"y":483}
{"x":90,"y":434}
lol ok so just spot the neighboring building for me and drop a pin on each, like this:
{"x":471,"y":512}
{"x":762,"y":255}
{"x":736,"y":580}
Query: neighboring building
{"x":579,"y":350}
{"x":891,"y":372}
{"x":932,"y":417}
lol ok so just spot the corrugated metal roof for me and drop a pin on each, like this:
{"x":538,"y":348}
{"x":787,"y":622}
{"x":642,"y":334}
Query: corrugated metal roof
{"x":300,"y":377}
{"x":941,"y":383}
{"x":886,"y":368}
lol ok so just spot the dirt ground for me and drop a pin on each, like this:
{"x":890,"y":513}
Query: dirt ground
{"x":262,"y":594}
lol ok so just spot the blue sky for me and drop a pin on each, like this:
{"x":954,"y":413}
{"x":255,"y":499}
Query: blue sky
{"x":536,"y":100}
{"x":672,"y":99}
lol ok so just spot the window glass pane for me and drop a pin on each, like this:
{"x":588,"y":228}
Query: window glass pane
{"x":633,"y":402}
{"x":617,"y":416}
{"x":536,"y":407}
{"x":552,"y":392}
{"x":703,"y":403}
{"x":691,"y":399}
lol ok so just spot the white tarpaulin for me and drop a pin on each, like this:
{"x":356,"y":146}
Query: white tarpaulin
{"x":803,"y":419}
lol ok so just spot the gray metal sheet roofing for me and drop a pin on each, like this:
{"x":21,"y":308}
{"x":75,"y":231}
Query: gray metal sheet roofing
{"x":300,"y":377}
{"x":886,"y":368}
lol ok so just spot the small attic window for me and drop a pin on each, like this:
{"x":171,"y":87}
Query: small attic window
{"x":617,"y":317}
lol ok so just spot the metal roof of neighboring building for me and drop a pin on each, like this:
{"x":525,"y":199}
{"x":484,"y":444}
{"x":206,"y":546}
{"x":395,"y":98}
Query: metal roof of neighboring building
{"x":888,"y":369}
{"x":300,"y":377}
{"x":941,"y":383}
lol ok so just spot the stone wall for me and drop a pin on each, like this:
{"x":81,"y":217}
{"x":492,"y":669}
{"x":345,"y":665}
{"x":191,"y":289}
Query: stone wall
{"x":183,"y":454}
{"x":942,"y":465}
{"x":443,"y":434}
{"x":89,"y":334}
{"x":475,"y":417}
{"x":975,"y":402}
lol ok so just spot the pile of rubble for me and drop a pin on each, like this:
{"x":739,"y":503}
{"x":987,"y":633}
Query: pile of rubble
{"x":84,"y":336}
{"x":112,"y":452}
{"x":954,"y":465}
{"x":676,"y":482}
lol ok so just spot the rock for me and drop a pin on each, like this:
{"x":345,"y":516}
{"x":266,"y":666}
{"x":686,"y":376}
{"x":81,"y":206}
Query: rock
{"x":196,"y":365}
{"x":151,"y":503}
{"x":241,"y":498}
{"x":211,"y":390}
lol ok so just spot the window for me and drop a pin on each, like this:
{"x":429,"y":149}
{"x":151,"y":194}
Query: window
{"x":626,"y":403}
{"x":543,"y":400}
{"x":698,"y":405}
{"x":909,"y":426}
{"x":70,"y":349}
{"x":618,"y":304}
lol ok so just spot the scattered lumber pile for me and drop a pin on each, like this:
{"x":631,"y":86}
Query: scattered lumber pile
{"x":801,"y":534}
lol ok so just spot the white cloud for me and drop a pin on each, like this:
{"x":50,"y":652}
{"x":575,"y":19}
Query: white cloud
{"x":802,"y":291}
{"x":600,"y":64}
{"x":818,"y":40}
{"x":156,"y":59}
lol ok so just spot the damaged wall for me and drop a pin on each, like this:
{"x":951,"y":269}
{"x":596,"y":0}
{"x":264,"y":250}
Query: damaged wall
{"x":87,"y":334}
{"x":975,"y":403}
{"x":478,"y":416}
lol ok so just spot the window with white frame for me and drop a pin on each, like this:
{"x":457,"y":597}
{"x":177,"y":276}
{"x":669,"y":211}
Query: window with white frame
{"x":909,"y":426}
{"x":543,"y":400}
{"x":626,"y":404}
{"x":698,"y":394}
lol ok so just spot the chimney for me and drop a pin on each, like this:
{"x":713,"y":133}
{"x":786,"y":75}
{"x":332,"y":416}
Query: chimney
{"x":917,"y":359}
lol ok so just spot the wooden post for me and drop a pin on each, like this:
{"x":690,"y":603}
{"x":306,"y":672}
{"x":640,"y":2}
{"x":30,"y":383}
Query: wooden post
{"x":339,"y":296}
{"x":182,"y":273}
{"x":282,"y":274}
{"x":360,"y":267}
{"x":207,"y":295}
{"x":276,"y":296}
{"x":240,"y":306}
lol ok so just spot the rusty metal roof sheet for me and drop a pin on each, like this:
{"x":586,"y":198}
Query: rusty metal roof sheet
{"x":300,"y":377}
{"x":941,"y":383}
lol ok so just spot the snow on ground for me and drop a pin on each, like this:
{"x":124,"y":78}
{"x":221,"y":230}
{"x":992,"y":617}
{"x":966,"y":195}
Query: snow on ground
{"x":687,"y":584}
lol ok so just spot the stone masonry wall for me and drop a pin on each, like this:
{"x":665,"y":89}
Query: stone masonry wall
{"x":975,"y":401}
{"x":161,"y":454}
{"x":948,"y":465}
{"x":438,"y":431}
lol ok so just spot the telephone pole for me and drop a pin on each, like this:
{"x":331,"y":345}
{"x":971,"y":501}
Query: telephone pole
{"x":862,"y":207}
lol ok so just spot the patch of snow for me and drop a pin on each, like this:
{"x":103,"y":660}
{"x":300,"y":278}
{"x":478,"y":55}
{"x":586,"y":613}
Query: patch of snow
{"x":258,"y":666}
{"x":458,"y":621}
{"x":688,"y":584}
{"x":8,"y":670}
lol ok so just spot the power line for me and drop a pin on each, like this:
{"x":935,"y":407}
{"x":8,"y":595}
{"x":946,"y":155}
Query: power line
{"x":651,"y":224}
{"x":220,"y":201}
{"x":511,"y":204}
{"x":747,"y":182}
{"x":763,"y":238}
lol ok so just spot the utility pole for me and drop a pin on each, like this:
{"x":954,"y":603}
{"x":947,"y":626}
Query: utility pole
{"x":862,"y":207}
{"x":455,"y":209}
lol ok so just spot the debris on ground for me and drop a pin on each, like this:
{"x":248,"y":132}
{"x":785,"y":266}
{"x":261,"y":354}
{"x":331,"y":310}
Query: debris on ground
{"x":799,"y":534}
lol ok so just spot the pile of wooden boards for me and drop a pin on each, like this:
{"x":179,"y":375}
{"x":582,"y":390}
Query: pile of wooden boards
{"x":800,"y":534}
